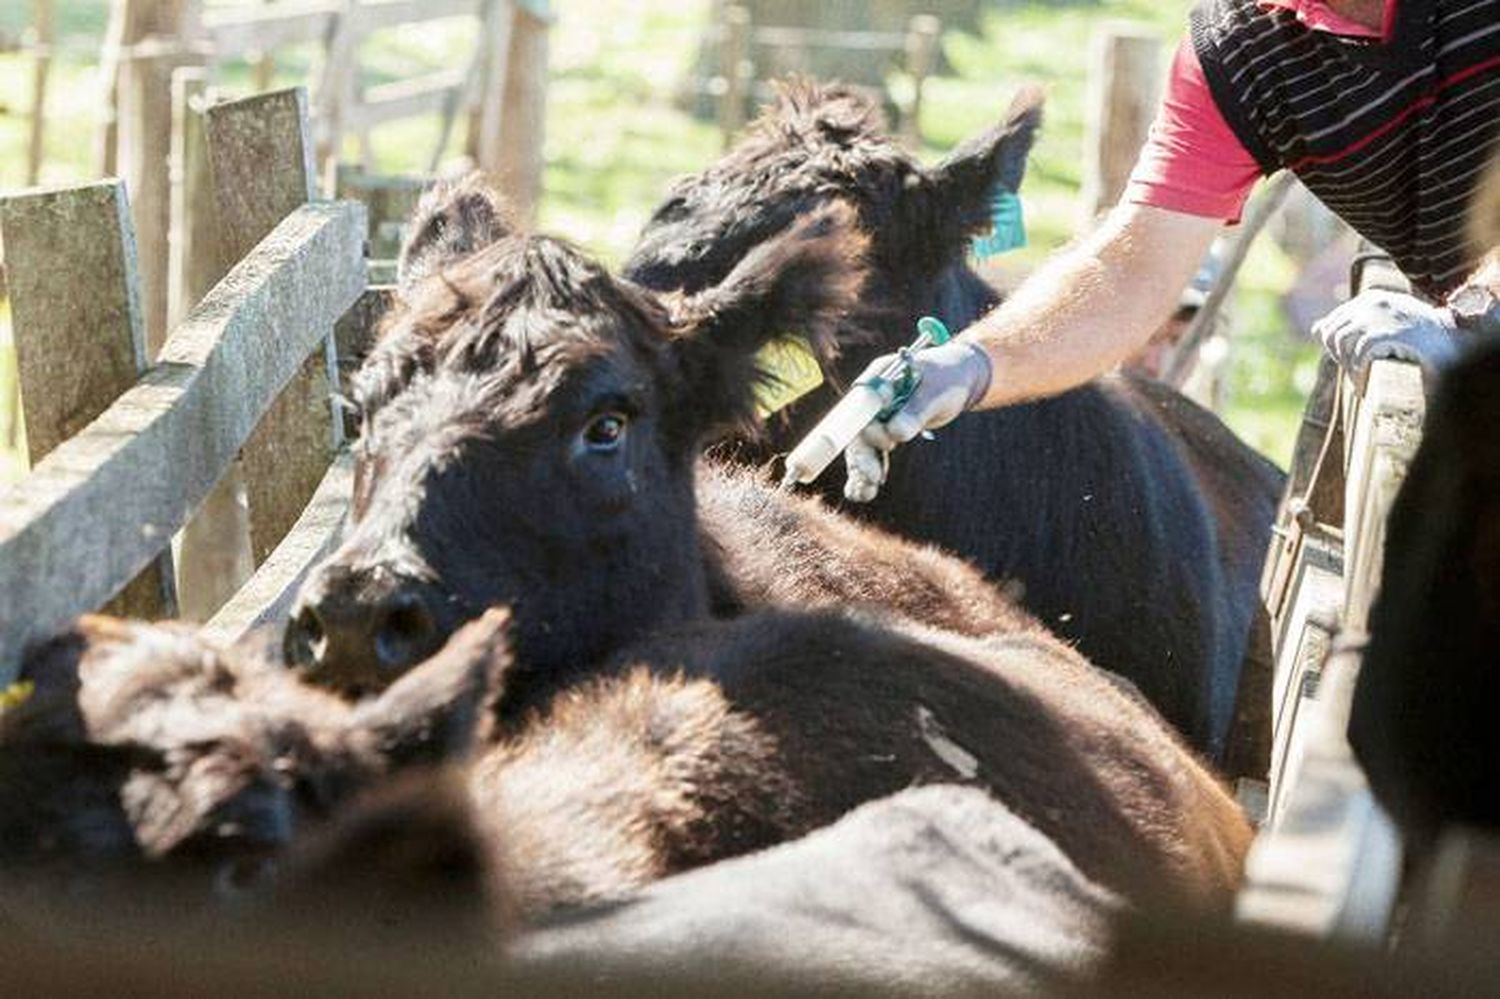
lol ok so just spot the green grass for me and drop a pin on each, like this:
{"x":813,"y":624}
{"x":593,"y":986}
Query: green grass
{"x":615,"y":138}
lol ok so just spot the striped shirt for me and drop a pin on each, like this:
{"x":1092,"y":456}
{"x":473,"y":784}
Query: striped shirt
{"x":1393,"y":136}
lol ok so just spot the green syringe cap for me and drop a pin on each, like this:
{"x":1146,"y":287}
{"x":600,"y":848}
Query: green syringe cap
{"x":935,"y":330}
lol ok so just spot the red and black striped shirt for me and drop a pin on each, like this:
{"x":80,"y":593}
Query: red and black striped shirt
{"x":1393,"y":136}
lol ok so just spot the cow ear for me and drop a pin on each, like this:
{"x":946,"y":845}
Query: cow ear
{"x":443,"y":708}
{"x":452,"y":220}
{"x":953,"y":202}
{"x":804,"y":282}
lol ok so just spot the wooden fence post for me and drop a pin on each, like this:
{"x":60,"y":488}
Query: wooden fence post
{"x":519,"y":168}
{"x":736,"y":70}
{"x":42,"y":40}
{"x":145,"y":142}
{"x":1124,"y":86}
{"x":77,"y":353}
{"x":487,"y":119}
{"x":104,"y":504}
{"x":214,"y":547}
{"x":922,"y":38}
{"x":335,"y":89}
{"x":261,"y":151}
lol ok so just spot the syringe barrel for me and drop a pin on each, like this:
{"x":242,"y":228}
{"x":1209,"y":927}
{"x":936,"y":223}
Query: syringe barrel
{"x":833,"y":433}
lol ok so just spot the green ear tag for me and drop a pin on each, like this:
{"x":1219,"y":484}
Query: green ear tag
{"x":791,"y":372}
{"x":1007,"y":226}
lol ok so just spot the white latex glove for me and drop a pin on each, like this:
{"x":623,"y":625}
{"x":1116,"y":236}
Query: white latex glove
{"x":1379,"y":324}
{"x":954,"y":377}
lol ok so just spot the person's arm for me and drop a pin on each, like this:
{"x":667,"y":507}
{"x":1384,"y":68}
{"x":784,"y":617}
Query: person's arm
{"x":1084,"y":311}
{"x":1098,"y":301}
{"x":1092,"y":306}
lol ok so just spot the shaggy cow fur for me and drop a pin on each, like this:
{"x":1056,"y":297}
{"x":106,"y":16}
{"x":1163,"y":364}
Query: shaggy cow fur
{"x":484,"y":479}
{"x":1133,"y":520}
{"x":700,"y":744}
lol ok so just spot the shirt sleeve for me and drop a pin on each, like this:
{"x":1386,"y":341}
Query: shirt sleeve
{"x":1192,"y":161}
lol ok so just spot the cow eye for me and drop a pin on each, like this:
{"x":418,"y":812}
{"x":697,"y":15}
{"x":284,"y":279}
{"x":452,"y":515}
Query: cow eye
{"x":605,"y":432}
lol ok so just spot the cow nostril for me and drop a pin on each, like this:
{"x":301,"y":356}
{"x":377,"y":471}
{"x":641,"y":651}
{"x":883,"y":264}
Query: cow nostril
{"x":305,"y":640}
{"x":407,"y":633}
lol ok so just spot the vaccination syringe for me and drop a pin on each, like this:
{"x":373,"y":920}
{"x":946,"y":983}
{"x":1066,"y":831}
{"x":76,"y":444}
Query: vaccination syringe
{"x":877,"y":397}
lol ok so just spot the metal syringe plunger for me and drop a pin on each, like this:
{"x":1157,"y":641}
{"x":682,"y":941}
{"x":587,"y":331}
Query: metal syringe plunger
{"x":878,"y":397}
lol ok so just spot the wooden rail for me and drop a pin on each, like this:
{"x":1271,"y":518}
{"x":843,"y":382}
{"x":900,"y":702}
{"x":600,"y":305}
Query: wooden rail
{"x":148,"y":40}
{"x":1328,"y":861}
{"x":125,"y":461}
{"x":735,"y":85}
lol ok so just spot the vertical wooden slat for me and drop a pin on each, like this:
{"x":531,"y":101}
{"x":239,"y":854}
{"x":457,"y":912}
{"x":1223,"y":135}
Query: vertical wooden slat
{"x":335,"y":89}
{"x":214,"y":548}
{"x":736,"y":70}
{"x":145,"y":140}
{"x":922,"y":38}
{"x":261,"y":152}
{"x":42,"y":39}
{"x":76,"y":353}
{"x":487,"y":123}
{"x":521,"y":154}
{"x":1124,"y":81}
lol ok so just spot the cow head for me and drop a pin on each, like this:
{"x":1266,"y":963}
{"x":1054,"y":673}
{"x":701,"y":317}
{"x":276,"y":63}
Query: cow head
{"x":137,"y":748}
{"x":822,"y":144}
{"x":530,"y":424}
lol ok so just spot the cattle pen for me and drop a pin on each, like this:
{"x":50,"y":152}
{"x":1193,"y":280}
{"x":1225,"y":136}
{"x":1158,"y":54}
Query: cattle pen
{"x":124,"y":453}
{"x":184,"y":385}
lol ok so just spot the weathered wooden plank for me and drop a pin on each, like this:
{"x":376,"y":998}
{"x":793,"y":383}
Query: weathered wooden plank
{"x":267,"y":596}
{"x":262,"y":160}
{"x":41,"y":67}
{"x":78,"y":353}
{"x":145,"y":139}
{"x":75,"y":353}
{"x":236,"y":32}
{"x":404,"y":99}
{"x":1387,"y":430}
{"x":735,"y":69}
{"x":214,"y":548}
{"x":376,"y":14}
{"x":923,"y":38}
{"x":777,"y":36}
{"x":97,"y":509}
{"x":518,"y":168}
{"x":1330,"y":862}
{"x":261,"y":149}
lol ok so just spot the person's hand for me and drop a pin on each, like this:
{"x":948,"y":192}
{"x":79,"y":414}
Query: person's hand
{"x":1379,"y":324}
{"x":954,"y":377}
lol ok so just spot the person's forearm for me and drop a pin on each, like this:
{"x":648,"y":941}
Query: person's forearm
{"x":1092,"y":305}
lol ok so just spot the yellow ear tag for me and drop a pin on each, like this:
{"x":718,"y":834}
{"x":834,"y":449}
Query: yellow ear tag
{"x":792,"y":371}
{"x":16,"y":694}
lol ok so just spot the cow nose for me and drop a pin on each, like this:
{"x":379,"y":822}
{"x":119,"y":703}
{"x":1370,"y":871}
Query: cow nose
{"x":360,"y":634}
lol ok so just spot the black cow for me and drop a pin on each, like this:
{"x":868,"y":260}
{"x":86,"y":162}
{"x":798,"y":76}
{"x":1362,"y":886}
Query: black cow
{"x":531,"y":432}
{"x":1135,"y":522}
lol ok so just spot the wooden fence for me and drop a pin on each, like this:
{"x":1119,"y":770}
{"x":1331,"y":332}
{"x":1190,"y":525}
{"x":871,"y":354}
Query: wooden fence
{"x":126,"y":451}
{"x":750,"y":54}
{"x":1328,"y":860}
{"x":499,"y":91}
